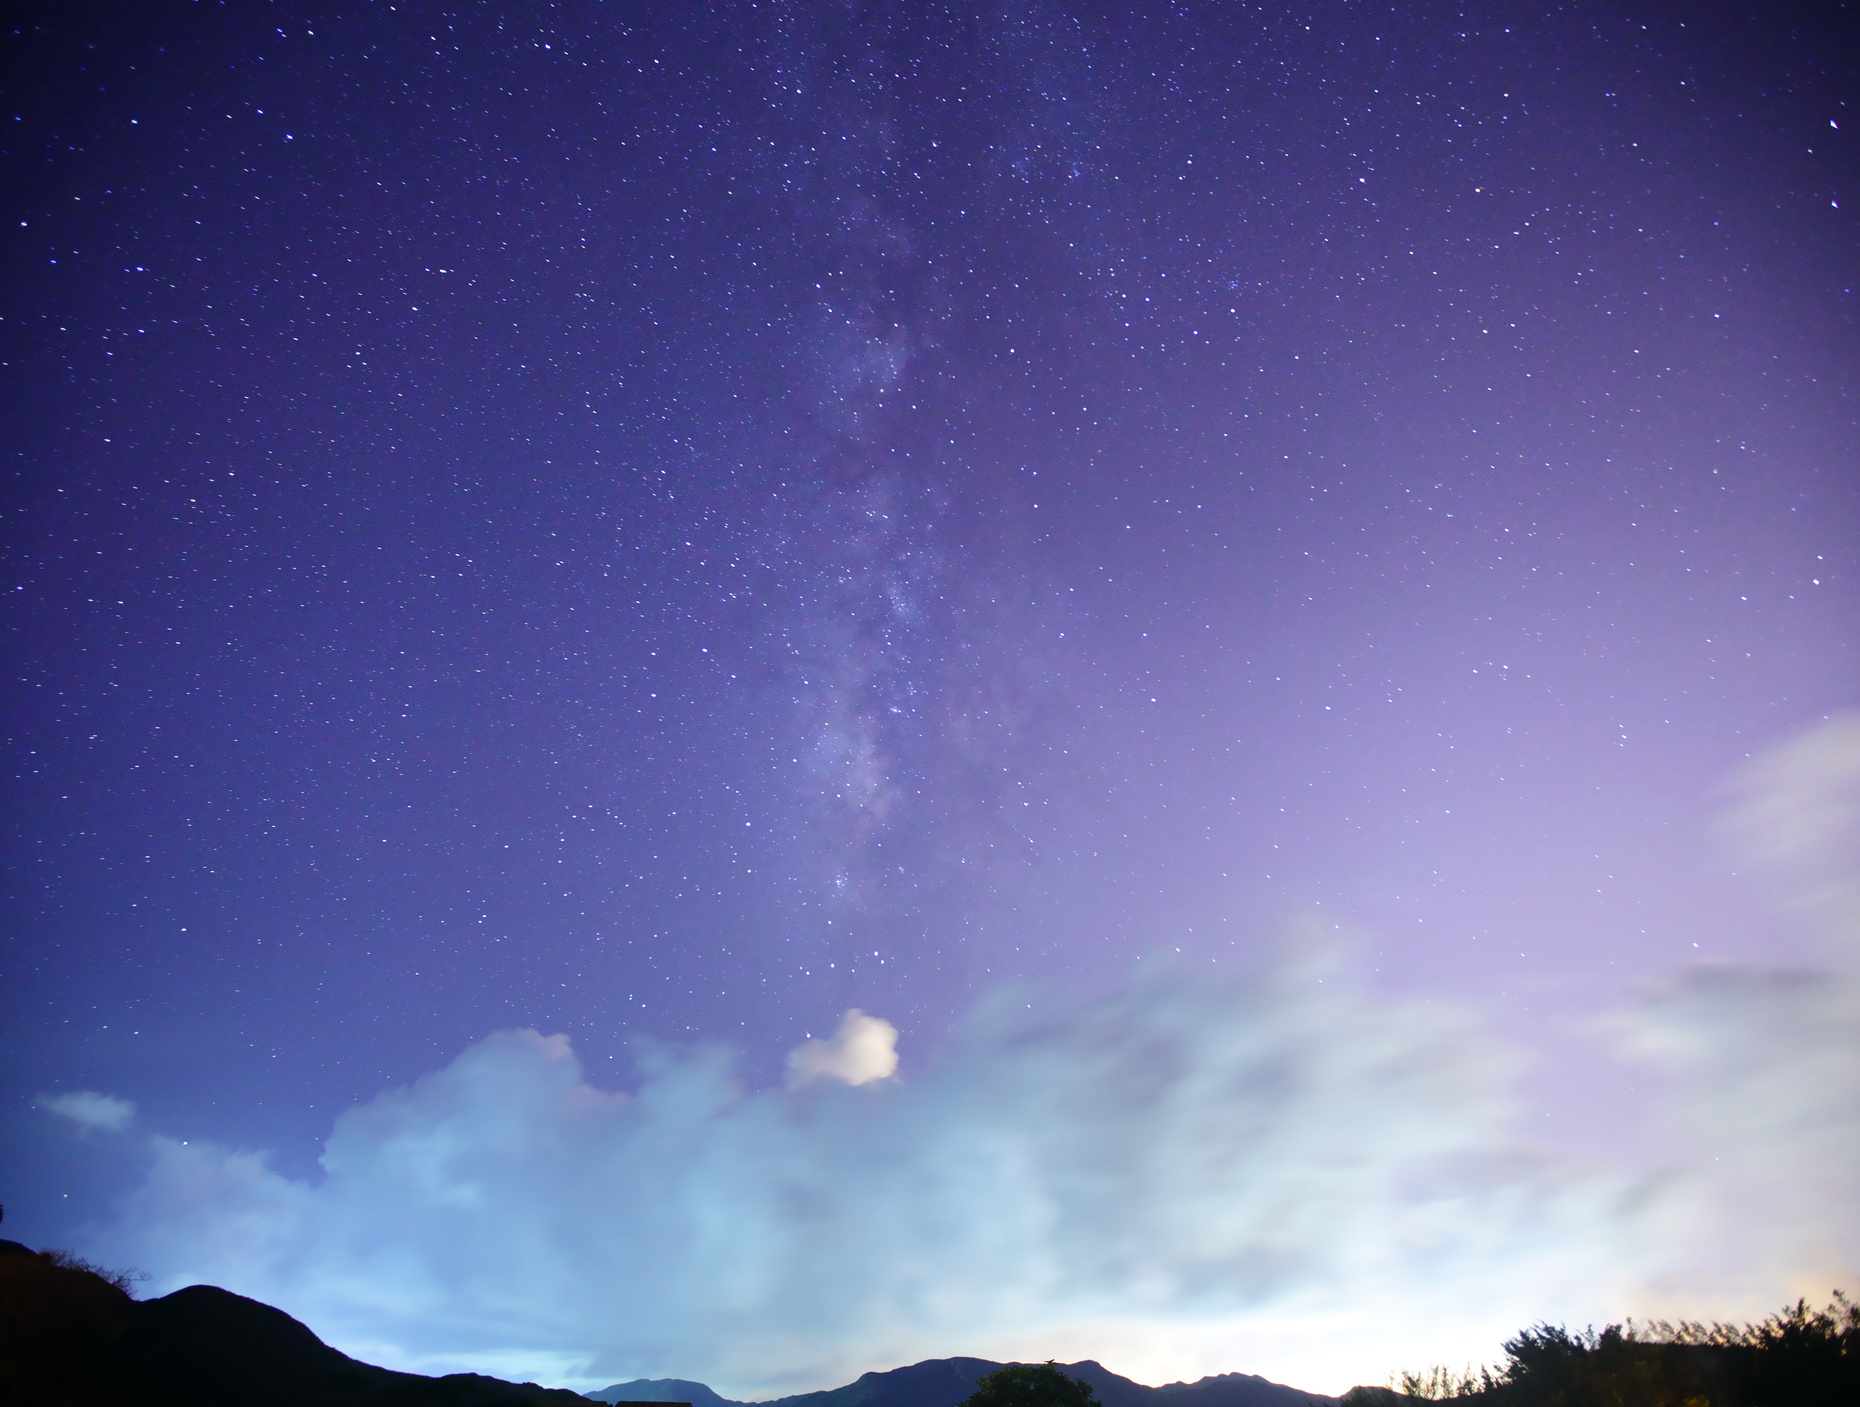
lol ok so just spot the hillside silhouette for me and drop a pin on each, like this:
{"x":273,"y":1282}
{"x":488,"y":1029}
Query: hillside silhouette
{"x":71,"y":1336}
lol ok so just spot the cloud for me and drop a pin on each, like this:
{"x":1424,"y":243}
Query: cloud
{"x":1289,"y":1168}
{"x":1290,"y":1173}
{"x":89,"y":1110}
{"x":1793,"y":814}
{"x":1762,"y":1125}
{"x":864,"y":1049}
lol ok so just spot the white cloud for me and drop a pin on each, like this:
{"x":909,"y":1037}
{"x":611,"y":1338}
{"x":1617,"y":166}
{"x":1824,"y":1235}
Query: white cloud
{"x":1289,"y":1174}
{"x":89,"y":1110}
{"x":864,"y":1049}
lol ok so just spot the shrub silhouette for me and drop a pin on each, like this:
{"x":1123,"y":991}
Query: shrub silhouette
{"x":1796,"y":1358}
{"x":124,"y":1280}
{"x":1030,"y":1385}
{"x":54,"y":1313}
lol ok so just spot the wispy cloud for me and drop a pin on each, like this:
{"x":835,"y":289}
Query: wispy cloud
{"x":1792,"y":815}
{"x":89,"y":1110}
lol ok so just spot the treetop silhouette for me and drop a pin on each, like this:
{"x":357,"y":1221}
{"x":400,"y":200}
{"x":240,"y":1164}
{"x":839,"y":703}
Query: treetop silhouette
{"x":1030,"y":1385}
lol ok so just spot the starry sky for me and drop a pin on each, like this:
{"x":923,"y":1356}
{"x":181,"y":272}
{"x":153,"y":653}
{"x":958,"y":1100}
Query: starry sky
{"x":1047,"y":525}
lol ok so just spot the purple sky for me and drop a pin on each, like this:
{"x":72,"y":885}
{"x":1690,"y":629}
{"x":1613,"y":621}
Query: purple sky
{"x":666,"y":527}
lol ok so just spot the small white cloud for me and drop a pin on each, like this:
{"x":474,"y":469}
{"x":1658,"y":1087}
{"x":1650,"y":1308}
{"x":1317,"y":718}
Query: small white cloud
{"x":865,"y":1048}
{"x":89,"y":1110}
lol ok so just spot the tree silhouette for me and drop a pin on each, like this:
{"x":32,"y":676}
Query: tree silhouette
{"x":1800,"y":1357}
{"x":1030,"y":1385}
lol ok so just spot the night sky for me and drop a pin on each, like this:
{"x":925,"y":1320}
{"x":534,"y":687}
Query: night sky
{"x":1271,"y":593}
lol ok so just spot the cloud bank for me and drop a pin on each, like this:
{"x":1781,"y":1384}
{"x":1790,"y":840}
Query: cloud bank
{"x":1290,"y":1174}
{"x":1182,"y":1169}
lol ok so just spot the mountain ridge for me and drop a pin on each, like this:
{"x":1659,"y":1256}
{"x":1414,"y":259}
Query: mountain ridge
{"x":945,"y":1382}
{"x":71,"y":1335}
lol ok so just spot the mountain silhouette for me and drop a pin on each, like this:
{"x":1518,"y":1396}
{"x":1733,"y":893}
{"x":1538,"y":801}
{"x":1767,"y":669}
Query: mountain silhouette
{"x":945,"y":1382}
{"x":71,"y":1335}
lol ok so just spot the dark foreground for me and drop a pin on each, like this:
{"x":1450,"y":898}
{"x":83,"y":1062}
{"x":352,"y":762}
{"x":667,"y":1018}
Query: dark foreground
{"x":1800,"y":1357}
{"x":71,"y":1338}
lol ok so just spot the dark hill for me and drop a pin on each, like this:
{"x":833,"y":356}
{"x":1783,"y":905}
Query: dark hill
{"x":70,"y":1336}
{"x":944,"y":1382}
{"x":664,"y":1390}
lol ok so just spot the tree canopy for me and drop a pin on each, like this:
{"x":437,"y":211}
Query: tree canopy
{"x":1030,"y":1385}
{"x":1798,"y":1358}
